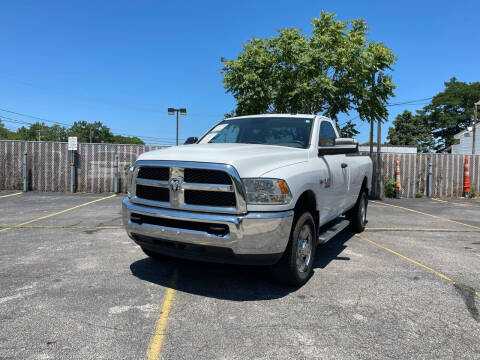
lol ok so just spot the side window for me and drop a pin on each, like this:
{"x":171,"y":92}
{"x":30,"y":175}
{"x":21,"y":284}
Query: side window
{"x":327,"y":134}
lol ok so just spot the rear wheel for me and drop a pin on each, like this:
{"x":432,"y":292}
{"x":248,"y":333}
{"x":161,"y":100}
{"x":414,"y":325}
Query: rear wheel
{"x":295,"y":266}
{"x":358,"y":215}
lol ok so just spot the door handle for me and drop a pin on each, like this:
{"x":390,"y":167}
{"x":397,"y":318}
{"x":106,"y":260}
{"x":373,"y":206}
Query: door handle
{"x":344,"y":165}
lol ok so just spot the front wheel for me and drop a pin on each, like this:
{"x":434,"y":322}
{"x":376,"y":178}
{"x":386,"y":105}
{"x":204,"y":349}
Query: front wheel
{"x":295,"y":266}
{"x":358,"y":215}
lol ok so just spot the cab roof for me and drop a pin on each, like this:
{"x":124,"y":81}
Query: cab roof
{"x":300,"y":116}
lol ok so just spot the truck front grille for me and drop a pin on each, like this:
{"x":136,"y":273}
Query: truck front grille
{"x":153,"y":173}
{"x":202,"y":176}
{"x":188,"y":186}
{"x":153,"y":193}
{"x":210,"y":198}
{"x":211,"y":228}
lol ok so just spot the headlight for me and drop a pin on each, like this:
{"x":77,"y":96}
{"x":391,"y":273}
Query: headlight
{"x":267,"y":191}
{"x":129,"y":182}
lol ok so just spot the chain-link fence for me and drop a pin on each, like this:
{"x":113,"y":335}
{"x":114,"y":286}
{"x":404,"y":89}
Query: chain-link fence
{"x":48,"y":168}
{"x":447,"y":173}
{"x":48,"y":165}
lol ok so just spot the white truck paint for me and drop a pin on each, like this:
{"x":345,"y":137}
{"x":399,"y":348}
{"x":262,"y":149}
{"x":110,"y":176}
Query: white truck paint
{"x":334,"y":181}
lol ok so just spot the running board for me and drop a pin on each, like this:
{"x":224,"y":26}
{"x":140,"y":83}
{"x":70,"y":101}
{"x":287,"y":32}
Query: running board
{"x":334,"y":229}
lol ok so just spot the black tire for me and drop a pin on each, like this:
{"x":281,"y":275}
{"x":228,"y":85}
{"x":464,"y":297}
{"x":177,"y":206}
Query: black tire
{"x":358,"y":215}
{"x":287,"y":271}
{"x":154,"y":255}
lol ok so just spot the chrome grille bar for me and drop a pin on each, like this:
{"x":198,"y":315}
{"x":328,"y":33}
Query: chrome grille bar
{"x":208,"y":187}
{"x":150,"y":182}
{"x":177,"y":195}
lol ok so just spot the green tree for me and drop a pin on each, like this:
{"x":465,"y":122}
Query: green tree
{"x":96,"y":132}
{"x":5,"y":134}
{"x":451,"y":111}
{"x":409,"y":129}
{"x":100,"y":133}
{"x":119,"y":139}
{"x":41,"y":131}
{"x":348,"y":130}
{"x":80,"y":129}
{"x":328,"y":72}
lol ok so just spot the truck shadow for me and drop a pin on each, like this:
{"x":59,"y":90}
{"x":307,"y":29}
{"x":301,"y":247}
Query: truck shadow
{"x":329,"y":252}
{"x":229,"y":282}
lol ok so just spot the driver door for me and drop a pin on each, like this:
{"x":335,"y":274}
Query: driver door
{"x":335,"y":188}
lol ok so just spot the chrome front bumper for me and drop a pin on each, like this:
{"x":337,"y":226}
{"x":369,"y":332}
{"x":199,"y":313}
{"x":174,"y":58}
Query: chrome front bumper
{"x":262,"y":233}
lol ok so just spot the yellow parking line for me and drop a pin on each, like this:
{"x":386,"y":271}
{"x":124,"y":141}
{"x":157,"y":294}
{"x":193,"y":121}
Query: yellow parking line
{"x":427,"y":214}
{"x":440,"y":200}
{"x":450,"y":202}
{"x":4,"y":196}
{"x":438,"y":273}
{"x":420,"y":229}
{"x":156,"y":342}
{"x":57,"y":213}
{"x":62,"y":227}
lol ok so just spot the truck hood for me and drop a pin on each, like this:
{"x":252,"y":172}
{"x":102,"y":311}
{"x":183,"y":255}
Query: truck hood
{"x":250,"y":160}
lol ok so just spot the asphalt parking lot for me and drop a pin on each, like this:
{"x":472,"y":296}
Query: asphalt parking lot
{"x":74,"y":286}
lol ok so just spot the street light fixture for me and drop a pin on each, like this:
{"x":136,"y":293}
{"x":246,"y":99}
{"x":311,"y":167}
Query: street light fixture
{"x":172,"y":111}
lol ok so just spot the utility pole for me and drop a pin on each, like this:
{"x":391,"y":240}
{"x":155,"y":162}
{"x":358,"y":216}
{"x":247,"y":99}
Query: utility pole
{"x":379,"y":124}
{"x":39,"y":135}
{"x":371,"y":136}
{"x":372,"y":119}
{"x":474,"y":126}
{"x":378,"y":170}
{"x":182,"y":111}
{"x":90,"y":126}
{"x":177,"y":128}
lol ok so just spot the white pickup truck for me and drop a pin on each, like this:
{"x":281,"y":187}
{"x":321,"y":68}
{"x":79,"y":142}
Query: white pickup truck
{"x":260,"y":189}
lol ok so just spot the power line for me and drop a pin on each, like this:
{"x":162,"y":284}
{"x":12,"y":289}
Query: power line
{"x":69,"y":125}
{"x":15,"y":121}
{"x":34,"y":117}
{"x":409,"y":102}
{"x":156,"y":141}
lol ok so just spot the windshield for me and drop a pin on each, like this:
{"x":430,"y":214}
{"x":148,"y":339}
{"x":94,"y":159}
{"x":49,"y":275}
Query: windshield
{"x":283,"y":131}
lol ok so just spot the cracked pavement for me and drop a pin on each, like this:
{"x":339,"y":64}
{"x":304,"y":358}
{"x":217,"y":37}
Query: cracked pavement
{"x":78,"y":293}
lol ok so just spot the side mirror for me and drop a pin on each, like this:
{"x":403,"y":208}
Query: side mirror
{"x":340,"y":146}
{"x":191,"y":140}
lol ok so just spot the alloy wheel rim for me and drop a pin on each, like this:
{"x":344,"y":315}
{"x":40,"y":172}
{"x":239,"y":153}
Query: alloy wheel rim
{"x":304,"y":248}
{"x":363,"y":211}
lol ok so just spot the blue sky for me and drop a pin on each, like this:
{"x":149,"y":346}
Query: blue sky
{"x":125,"y":62}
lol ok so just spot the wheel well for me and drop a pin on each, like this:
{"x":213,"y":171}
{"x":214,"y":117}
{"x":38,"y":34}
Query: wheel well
{"x":308,"y":202}
{"x":364,"y":186}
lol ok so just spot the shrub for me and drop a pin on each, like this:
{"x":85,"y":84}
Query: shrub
{"x":390,"y":188}
{"x":472,"y":194}
{"x":419,"y":194}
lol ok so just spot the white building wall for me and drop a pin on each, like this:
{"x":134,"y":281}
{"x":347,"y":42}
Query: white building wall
{"x":390,"y":149}
{"x":465,"y":145}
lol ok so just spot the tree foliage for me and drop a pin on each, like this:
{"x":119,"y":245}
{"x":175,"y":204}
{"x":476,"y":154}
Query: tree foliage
{"x":433,"y":128}
{"x":348,"y":130}
{"x":331,"y":71}
{"x":91,"y":132}
{"x":41,"y":131}
{"x":119,"y":139}
{"x":5,"y":134}
{"x":451,"y":111}
{"x":410,"y":129}
{"x":81,"y":129}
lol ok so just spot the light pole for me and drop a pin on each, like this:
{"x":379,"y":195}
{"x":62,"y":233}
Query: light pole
{"x":474,"y":126}
{"x":182,"y":111}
